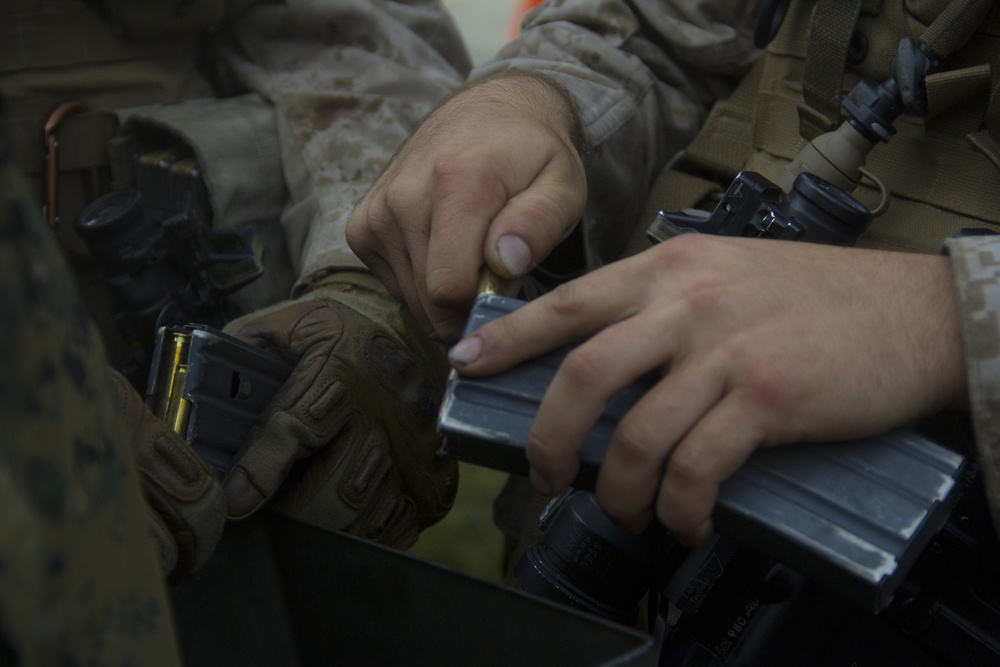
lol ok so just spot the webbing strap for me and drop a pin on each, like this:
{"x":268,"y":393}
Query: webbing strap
{"x":923,"y":166}
{"x":986,"y":144}
{"x":987,"y":141}
{"x":826,"y":57}
{"x":945,"y":89}
{"x":955,"y":25}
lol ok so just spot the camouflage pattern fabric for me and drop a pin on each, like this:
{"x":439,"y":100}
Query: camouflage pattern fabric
{"x":337,"y":126}
{"x":80,"y":583}
{"x":976,"y":261}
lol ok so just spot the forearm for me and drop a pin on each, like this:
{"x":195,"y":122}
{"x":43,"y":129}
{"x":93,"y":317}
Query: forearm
{"x":349,"y":81}
{"x":643,"y":76}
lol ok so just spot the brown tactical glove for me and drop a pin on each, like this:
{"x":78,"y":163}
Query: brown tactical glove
{"x":349,"y":442}
{"x":185,"y":503}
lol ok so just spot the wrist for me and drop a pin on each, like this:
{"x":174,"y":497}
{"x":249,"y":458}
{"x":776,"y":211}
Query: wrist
{"x":956,"y":374}
{"x":530,"y":94}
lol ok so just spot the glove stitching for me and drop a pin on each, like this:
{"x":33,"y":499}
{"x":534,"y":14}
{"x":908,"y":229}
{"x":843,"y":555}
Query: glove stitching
{"x":193,"y":491}
{"x":359,"y":499}
{"x":332,"y":414}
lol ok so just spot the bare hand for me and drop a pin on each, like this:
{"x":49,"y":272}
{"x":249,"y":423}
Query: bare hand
{"x":491,"y":176}
{"x":758,"y":342}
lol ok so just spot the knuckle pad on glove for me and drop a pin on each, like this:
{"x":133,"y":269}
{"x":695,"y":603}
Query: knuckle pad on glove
{"x":392,"y":520}
{"x":186,"y":497}
{"x":364,"y":473}
{"x":340,"y":479}
{"x":320,"y":408}
{"x":181,"y":491}
{"x":292,"y":432}
{"x":176,"y":470}
{"x":289,"y":329}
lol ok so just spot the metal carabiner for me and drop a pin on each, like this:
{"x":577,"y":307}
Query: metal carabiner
{"x":50,"y":162}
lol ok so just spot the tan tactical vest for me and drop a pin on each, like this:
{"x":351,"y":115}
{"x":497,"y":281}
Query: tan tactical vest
{"x":942,"y":172}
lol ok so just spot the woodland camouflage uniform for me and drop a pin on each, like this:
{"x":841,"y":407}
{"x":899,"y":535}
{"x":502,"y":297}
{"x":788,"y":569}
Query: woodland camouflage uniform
{"x":78,"y":574}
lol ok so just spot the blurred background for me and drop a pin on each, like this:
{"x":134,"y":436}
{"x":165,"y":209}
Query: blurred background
{"x":466,"y":540}
{"x":486,"y":24}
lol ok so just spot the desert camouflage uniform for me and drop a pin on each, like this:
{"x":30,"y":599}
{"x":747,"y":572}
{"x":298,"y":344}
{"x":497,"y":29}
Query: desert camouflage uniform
{"x":80,"y":582}
{"x":646,"y":74}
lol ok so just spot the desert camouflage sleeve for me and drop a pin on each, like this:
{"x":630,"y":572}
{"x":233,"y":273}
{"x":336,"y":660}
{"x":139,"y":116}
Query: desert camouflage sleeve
{"x":976,"y":262}
{"x":80,"y":582}
{"x":349,"y":81}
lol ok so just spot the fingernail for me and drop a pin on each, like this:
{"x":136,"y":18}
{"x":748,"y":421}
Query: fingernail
{"x":541,"y":483}
{"x":466,"y":351}
{"x":514,"y":255}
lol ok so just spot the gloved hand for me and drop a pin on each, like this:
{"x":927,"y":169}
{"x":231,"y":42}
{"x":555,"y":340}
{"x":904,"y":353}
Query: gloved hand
{"x":185,"y":503}
{"x":349,"y":441}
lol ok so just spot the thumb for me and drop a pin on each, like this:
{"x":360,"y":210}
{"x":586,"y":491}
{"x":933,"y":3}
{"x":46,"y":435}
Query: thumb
{"x":303,"y":415}
{"x":260,"y":468}
{"x":285,"y":437}
{"x":536,"y":220}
